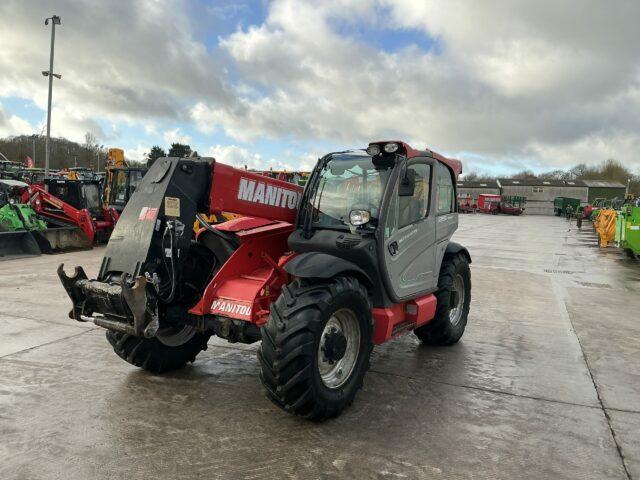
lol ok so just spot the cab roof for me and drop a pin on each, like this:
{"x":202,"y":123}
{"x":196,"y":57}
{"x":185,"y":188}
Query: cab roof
{"x":453,"y":164}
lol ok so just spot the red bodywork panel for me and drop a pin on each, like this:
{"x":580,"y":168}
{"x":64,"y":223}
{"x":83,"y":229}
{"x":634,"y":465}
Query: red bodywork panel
{"x":47,"y":205}
{"x":253,"y":276}
{"x":402,"y":318}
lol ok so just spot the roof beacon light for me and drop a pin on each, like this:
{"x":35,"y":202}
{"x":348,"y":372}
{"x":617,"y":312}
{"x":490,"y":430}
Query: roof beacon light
{"x":373,"y":150}
{"x":391,"y":147}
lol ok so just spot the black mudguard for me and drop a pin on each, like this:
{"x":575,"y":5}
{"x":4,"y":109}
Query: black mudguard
{"x":323,"y":265}
{"x":453,"y":248}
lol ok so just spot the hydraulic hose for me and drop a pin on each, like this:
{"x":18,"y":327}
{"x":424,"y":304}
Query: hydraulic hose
{"x":215,"y":231}
{"x":169,"y":229}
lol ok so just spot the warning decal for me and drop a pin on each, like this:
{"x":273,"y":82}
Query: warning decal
{"x":148,"y":213}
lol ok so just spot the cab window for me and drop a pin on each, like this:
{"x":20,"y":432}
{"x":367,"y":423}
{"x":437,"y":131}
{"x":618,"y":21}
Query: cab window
{"x":404,"y":211}
{"x":445,"y":190}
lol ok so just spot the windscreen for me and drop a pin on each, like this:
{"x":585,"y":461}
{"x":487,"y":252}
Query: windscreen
{"x":91,"y":194}
{"x":119,"y":188}
{"x":348,"y":182}
{"x":135,"y":177}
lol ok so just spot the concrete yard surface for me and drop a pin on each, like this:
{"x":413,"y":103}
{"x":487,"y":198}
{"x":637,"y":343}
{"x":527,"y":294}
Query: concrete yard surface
{"x":544,"y":384}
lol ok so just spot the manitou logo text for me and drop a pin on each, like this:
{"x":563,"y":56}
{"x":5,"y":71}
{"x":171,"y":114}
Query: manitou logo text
{"x":260,"y":192}
{"x":221,"y":306}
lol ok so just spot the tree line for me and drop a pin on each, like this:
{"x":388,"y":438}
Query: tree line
{"x":610,"y":170}
{"x":65,"y":153}
{"x":90,"y":154}
{"x":180,"y":150}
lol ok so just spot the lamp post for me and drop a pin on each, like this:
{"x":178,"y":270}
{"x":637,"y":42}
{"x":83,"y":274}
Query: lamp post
{"x":55,"y":20}
{"x":33,"y":149}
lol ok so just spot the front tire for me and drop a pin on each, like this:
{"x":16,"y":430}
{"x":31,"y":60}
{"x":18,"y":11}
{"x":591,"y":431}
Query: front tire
{"x":176,"y":342}
{"x":453,"y":300}
{"x":316,"y":346}
{"x":168,"y":351}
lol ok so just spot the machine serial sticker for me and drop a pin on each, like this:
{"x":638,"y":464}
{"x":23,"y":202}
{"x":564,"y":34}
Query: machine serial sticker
{"x":172,"y":206}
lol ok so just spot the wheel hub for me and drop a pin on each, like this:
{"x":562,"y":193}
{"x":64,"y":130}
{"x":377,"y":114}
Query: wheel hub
{"x":335,"y":345}
{"x":339,"y":348}
{"x":457,"y":300}
{"x":174,"y":336}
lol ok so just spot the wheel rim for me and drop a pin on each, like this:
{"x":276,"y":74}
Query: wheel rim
{"x":458,"y":297}
{"x":335,"y":373}
{"x":175,"y":336}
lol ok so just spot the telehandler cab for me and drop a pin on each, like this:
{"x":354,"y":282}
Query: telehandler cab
{"x":359,"y":257}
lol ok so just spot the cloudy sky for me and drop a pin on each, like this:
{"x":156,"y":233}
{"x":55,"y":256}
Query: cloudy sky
{"x":503,"y":85}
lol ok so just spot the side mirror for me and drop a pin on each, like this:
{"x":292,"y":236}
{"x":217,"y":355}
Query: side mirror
{"x":407,"y":185}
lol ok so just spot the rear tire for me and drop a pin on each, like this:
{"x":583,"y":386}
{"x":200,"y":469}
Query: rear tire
{"x":453,"y":300}
{"x":304,"y":360}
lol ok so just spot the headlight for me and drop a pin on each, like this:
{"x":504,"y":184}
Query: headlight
{"x":373,"y":150}
{"x":359,"y":217}
{"x":391,"y":147}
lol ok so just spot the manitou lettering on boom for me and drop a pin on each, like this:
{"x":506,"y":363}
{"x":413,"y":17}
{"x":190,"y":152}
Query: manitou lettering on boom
{"x":260,"y":192}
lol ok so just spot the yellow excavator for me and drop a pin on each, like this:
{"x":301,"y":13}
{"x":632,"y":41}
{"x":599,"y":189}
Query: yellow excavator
{"x":121,"y":180}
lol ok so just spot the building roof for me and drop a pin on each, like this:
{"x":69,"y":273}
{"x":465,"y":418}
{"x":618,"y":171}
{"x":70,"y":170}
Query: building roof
{"x":535,"y":182}
{"x":482,"y":184}
{"x":603,"y":184}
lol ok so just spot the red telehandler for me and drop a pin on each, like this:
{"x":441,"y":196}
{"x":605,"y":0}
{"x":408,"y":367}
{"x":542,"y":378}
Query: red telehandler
{"x":319,"y":276}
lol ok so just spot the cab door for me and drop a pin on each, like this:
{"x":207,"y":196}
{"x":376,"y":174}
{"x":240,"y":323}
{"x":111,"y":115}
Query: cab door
{"x":409,"y":235}
{"x":445,"y":210}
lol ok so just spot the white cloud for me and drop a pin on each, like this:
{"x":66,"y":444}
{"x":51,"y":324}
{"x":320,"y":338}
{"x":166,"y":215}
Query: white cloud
{"x":176,"y":136}
{"x":509,"y":83}
{"x":241,"y":157}
{"x":120,"y":61}
{"x":13,"y":124}
{"x":137,"y":154}
{"x":509,"y":77}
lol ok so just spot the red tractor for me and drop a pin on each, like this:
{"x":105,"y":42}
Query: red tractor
{"x":361,"y":256}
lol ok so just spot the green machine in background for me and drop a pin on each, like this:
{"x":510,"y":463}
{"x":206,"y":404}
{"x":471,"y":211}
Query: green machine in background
{"x":628,"y":228}
{"x":20,"y":232}
{"x":560,"y":205}
{"x":18,"y":216}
